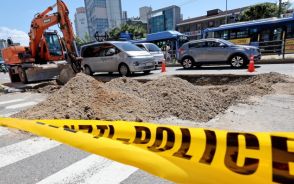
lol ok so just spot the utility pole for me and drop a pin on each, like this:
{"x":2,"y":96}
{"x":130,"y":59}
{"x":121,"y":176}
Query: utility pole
{"x":280,"y":8}
{"x":226,"y":11}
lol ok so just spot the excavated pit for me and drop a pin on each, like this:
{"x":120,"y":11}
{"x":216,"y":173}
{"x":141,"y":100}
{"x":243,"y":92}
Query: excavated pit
{"x":186,"y":97}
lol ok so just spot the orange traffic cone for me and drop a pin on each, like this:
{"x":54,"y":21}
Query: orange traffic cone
{"x":251,"y":67}
{"x":163,"y":67}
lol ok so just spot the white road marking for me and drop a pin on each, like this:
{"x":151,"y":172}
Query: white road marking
{"x":21,"y":105}
{"x":92,"y":169}
{"x":6,"y":115}
{"x":22,"y":150}
{"x":4,"y":131}
{"x":11,"y":101}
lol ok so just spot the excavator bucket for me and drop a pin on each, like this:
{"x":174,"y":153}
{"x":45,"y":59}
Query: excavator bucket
{"x":45,"y":72}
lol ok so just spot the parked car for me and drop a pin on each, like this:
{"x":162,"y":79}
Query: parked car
{"x":215,"y":51}
{"x":116,"y":56}
{"x":154,"y":50}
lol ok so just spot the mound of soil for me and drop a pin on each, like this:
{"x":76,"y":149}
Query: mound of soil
{"x":83,"y":97}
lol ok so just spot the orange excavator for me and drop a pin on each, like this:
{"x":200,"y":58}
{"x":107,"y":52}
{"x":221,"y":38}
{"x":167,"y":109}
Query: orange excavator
{"x":47,"y":53}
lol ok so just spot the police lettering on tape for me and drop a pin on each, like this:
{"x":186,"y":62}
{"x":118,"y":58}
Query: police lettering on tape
{"x":179,"y":154}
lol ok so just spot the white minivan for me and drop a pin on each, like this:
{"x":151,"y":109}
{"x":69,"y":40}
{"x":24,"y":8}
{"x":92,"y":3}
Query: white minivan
{"x":116,"y":56}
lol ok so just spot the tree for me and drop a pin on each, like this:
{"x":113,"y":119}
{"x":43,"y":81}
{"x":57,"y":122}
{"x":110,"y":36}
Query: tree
{"x":138,"y":30}
{"x":81,"y":41}
{"x":263,"y":10}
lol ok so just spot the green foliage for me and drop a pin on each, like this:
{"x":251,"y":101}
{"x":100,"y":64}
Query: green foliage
{"x":81,"y":41}
{"x":261,"y":11}
{"x":137,"y":30}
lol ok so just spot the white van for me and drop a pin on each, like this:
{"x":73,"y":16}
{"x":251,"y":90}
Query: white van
{"x":116,"y":56}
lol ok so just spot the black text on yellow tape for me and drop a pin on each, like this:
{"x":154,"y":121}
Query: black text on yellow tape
{"x":183,"y":155}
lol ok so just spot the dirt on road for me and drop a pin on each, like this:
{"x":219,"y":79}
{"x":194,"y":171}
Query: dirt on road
{"x":83,"y":97}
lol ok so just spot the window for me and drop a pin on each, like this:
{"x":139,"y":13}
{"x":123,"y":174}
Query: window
{"x":290,"y":30}
{"x":141,"y":47}
{"x":239,"y":33}
{"x":277,"y":34}
{"x":197,"y":45}
{"x":100,"y":3}
{"x":127,"y":47}
{"x":211,"y":24}
{"x":213,"y":44}
{"x":152,"y":48}
{"x":253,"y":32}
{"x":199,"y":26}
{"x":193,"y":27}
{"x":53,"y":45}
{"x":90,"y":51}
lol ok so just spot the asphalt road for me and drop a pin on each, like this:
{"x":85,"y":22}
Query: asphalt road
{"x":27,"y":159}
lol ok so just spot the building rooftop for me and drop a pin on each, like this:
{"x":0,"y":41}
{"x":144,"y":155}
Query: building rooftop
{"x":220,"y":13}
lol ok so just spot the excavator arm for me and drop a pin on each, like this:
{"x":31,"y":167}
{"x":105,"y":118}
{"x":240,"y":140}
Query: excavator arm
{"x":43,"y":21}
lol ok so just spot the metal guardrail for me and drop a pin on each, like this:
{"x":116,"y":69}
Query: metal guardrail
{"x":271,"y":47}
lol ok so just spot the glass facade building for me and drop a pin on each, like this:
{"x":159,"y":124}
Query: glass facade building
{"x":81,"y":23}
{"x":164,"y":19}
{"x":103,"y":15}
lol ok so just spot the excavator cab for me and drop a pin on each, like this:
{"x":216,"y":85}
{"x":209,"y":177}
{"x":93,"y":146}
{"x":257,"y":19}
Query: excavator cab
{"x":53,"y":44}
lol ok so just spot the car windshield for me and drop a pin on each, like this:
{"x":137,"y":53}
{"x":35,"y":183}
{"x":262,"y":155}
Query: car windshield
{"x":127,"y":46}
{"x":153,"y":48}
{"x":227,"y":42}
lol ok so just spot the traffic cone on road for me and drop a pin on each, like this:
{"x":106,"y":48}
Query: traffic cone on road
{"x":251,"y":67}
{"x":163,"y":67}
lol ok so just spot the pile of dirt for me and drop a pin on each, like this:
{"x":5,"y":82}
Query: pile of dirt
{"x":170,"y":97}
{"x":83,"y":97}
{"x":126,"y":99}
{"x":46,"y":88}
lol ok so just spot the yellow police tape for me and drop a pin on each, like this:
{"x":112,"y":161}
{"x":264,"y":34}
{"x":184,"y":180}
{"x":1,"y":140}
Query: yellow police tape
{"x":179,"y":154}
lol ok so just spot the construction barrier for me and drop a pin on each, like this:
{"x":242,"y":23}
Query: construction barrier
{"x":179,"y":154}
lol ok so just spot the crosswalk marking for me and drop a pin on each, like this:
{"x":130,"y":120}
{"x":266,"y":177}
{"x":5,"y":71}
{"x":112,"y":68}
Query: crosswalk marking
{"x":92,"y":169}
{"x":21,"y":105}
{"x":22,"y":150}
{"x":11,"y":101}
{"x":4,"y":131}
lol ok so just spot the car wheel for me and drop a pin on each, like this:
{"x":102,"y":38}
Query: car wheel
{"x":147,"y":71}
{"x":124,"y":70}
{"x":22,"y":75}
{"x":187,"y":63}
{"x":88,"y":71}
{"x":238,"y":61}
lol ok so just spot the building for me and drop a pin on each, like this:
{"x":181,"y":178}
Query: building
{"x":103,"y":15}
{"x":81,"y":23}
{"x":194,"y":27}
{"x":3,"y":44}
{"x":164,"y":19}
{"x":145,"y":13}
{"x":124,"y":17}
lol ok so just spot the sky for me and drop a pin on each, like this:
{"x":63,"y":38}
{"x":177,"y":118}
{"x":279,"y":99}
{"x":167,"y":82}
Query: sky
{"x":16,"y":15}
